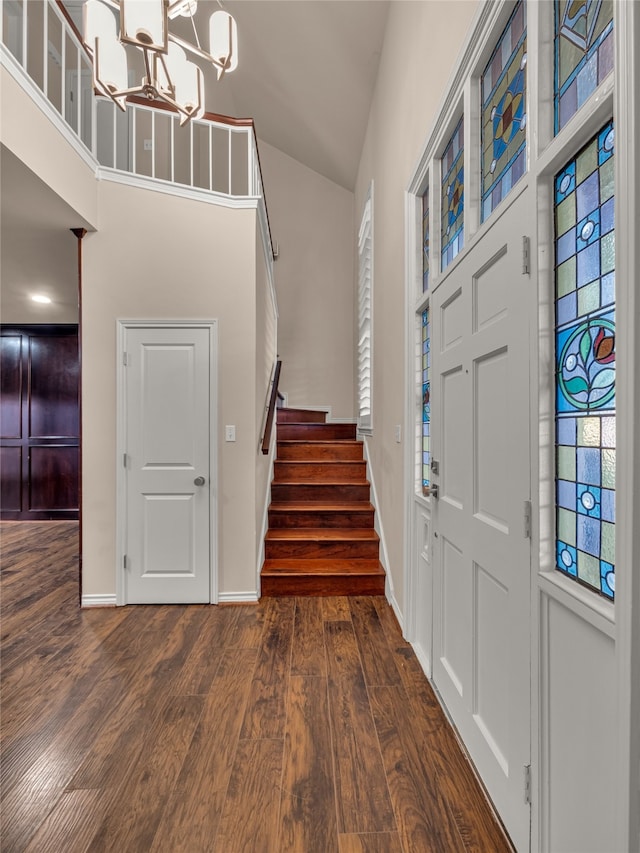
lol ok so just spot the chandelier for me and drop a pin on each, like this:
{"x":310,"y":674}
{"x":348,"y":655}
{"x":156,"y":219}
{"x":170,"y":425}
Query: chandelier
{"x":168,"y":75}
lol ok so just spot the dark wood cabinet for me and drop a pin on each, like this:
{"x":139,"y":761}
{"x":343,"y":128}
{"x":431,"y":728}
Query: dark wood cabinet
{"x":39,"y":422}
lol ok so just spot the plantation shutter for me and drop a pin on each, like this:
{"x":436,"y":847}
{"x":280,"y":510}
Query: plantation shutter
{"x":365,"y":279}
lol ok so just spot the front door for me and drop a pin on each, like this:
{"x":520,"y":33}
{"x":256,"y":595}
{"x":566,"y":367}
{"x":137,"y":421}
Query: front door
{"x":481,"y":550}
{"x":166,"y":397}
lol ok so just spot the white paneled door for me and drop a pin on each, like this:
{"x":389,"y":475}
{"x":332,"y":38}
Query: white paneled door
{"x":166,"y":434}
{"x":481,"y":554}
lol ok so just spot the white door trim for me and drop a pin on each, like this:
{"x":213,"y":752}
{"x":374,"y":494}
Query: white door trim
{"x":122,"y":326}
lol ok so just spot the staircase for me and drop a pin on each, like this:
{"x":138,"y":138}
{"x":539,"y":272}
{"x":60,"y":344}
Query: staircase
{"x":321,"y":539}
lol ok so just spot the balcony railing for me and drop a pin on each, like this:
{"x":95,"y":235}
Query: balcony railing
{"x":216,"y":155}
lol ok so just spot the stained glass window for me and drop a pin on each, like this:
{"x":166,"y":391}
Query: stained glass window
{"x":425,"y":240}
{"x":583,"y":53}
{"x":453,"y":196}
{"x":426,"y":405}
{"x":504,"y":118}
{"x":585,"y":366}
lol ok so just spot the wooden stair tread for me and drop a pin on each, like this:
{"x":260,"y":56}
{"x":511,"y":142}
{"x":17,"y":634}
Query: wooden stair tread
{"x":352,"y":481}
{"x":321,"y":506}
{"x":286,"y":415}
{"x":320,"y":441}
{"x":319,"y":566}
{"x":346,"y":534}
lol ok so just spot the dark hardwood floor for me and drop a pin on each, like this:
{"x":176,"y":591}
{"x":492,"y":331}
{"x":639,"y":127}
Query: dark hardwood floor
{"x":298,"y":724}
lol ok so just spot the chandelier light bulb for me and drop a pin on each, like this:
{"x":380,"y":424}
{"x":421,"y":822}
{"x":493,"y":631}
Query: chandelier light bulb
{"x":223,"y":41}
{"x":143,"y":23}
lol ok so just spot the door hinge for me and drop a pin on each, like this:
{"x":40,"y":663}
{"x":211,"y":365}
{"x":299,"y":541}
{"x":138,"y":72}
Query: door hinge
{"x":125,"y":561}
{"x":527,"y":784}
{"x":125,"y":359}
{"x":526,"y":261}
{"x":526,"y":524}
{"x":124,"y":459}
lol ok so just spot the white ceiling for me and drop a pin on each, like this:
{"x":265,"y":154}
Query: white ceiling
{"x":306,"y":74}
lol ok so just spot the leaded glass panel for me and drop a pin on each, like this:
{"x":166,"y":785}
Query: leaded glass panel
{"x":585,"y":366}
{"x":453,"y":196}
{"x":504,"y":118}
{"x":426,"y":404}
{"x":425,"y":240}
{"x":583,"y":53}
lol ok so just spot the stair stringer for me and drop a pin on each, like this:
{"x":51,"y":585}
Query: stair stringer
{"x":378,"y":527}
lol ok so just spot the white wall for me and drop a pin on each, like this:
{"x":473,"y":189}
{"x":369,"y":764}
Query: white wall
{"x":27,"y":133}
{"x":162,"y":257}
{"x":312,"y":220}
{"x":428,"y":36}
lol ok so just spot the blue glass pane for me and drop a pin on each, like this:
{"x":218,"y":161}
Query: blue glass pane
{"x":425,"y":240}
{"x":504,"y":119}
{"x":426,"y":397}
{"x":583,"y":54}
{"x":585,"y":366}
{"x":453,"y":196}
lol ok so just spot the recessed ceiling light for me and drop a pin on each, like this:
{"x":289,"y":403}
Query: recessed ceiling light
{"x":39,"y":298}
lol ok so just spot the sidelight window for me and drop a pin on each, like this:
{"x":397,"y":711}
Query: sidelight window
{"x":585,"y":365}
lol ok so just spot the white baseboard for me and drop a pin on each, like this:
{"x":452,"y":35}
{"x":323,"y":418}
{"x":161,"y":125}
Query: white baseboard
{"x":99,"y":600}
{"x":238,"y":598}
{"x":392,"y":601}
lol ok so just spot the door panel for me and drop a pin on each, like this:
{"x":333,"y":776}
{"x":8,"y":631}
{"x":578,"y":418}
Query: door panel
{"x":11,"y":474}
{"x":167,"y":399}
{"x":53,"y":386}
{"x":53,"y":477}
{"x":11,"y":379}
{"x":480,"y":398}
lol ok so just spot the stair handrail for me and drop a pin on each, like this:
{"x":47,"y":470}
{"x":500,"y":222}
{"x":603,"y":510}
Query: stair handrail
{"x":273,"y":399}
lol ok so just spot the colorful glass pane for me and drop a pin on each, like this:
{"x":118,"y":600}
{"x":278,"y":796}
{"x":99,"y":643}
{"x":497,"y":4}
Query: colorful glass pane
{"x":453,"y":196}
{"x":504,"y":118}
{"x":585,"y":366}
{"x":583,"y":53}
{"x":426,"y":404}
{"x":425,"y":240}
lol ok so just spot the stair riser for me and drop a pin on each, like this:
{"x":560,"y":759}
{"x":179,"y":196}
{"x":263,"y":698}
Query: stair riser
{"x":340,"y":550}
{"x":303,"y":518}
{"x":311,"y":585}
{"x":318,"y":472}
{"x":320,"y":432}
{"x":297,"y":416}
{"x":320,"y":492}
{"x":315,"y":451}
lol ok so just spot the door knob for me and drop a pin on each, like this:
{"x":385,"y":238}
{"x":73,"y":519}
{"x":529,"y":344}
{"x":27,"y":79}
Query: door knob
{"x":199,"y":481}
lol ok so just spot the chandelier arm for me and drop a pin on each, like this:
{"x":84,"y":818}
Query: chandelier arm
{"x":195,"y":32}
{"x":197,"y":51}
{"x":173,"y":103}
{"x":147,"y":66}
{"x":119,"y":96}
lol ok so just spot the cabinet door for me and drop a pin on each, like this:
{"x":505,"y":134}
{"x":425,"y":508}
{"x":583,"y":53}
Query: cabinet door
{"x":39,"y":422}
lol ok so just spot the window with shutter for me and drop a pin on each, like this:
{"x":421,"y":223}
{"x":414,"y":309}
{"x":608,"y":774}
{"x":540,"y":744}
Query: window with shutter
{"x":365,"y":281}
